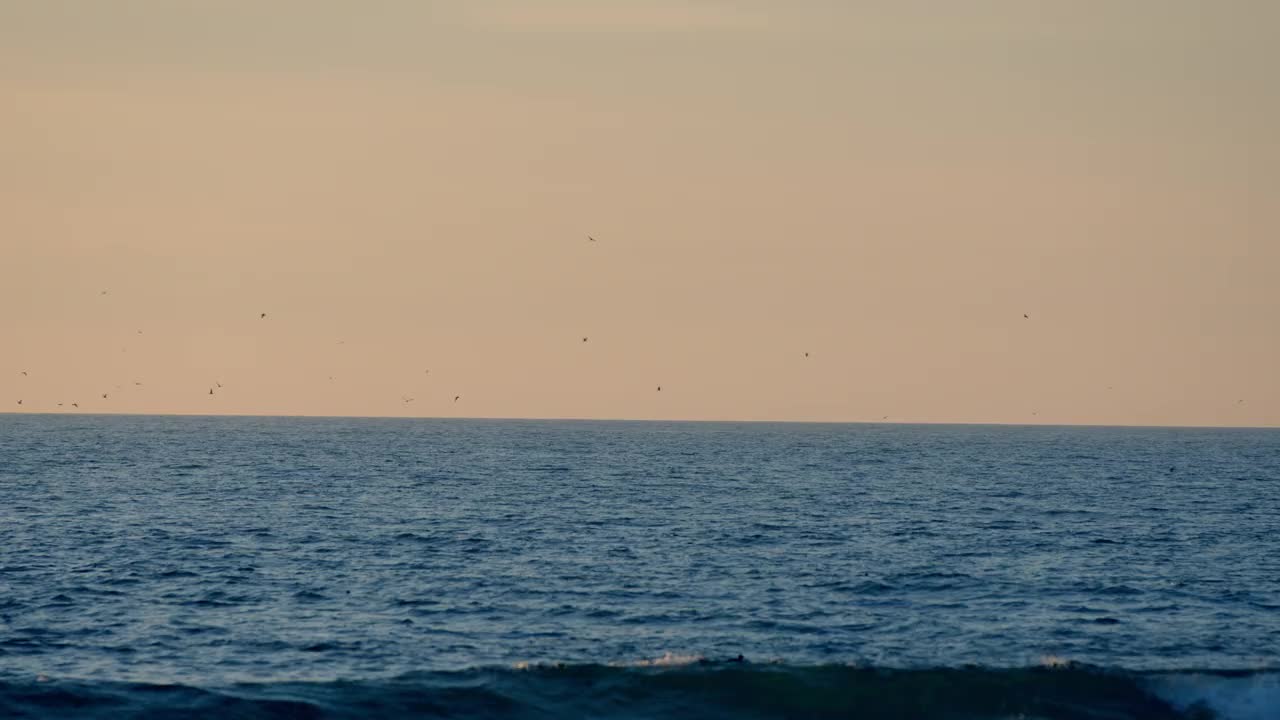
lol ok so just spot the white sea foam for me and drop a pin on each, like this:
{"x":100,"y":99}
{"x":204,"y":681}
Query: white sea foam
{"x":667,"y":660}
{"x":1248,"y":697}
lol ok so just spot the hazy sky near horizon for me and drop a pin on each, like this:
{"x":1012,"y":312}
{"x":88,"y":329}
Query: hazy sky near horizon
{"x":406,"y":186}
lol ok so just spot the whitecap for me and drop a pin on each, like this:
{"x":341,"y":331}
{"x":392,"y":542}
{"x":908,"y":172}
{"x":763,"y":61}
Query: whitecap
{"x":1230,"y":697}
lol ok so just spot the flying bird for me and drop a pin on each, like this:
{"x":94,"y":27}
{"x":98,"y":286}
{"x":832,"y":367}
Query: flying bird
{"x":24,"y":373}
{"x":406,"y":398}
{"x":104,"y":396}
{"x":590,"y":239}
{"x":263,"y":316}
{"x":456,"y":398}
{"x":215,"y":382}
{"x":75,"y":405}
{"x":1026,"y":316}
{"x":19,"y":402}
{"x":806,"y":354}
{"x":584,"y":339}
{"x":659,"y":388}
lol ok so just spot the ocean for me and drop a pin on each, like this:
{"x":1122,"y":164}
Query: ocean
{"x":304,"y":567}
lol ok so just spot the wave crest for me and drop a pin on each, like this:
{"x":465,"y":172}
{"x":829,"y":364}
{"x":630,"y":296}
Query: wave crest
{"x":687,"y":687}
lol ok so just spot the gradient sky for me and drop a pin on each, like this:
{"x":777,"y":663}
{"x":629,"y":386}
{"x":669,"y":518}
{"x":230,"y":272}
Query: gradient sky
{"x":408,"y":185}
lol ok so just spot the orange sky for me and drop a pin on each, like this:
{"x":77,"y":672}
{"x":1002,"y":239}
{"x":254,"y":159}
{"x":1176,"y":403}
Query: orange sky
{"x":404,"y":186}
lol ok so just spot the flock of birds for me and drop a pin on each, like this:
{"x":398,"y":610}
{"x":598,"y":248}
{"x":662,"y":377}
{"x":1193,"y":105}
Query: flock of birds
{"x":406,"y":399}
{"x":218,"y":384}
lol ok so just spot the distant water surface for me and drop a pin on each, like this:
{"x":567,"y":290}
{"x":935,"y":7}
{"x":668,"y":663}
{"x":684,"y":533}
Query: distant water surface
{"x":200,"y":554}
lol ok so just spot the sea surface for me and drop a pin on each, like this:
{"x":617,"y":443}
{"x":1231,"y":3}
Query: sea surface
{"x":292,"y":567}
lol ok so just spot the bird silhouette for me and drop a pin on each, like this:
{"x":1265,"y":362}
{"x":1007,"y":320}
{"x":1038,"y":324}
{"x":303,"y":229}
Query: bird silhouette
{"x":59,"y":404}
{"x":806,"y":354}
{"x":19,"y":402}
{"x":659,"y":388}
{"x":215,"y":382}
{"x":210,"y":391}
{"x":456,"y":398}
{"x":584,"y":339}
{"x":1026,"y":316}
{"x":406,"y":398}
{"x":75,"y":405}
{"x":104,"y":396}
{"x":590,"y":239}
{"x":263,"y":316}
{"x":24,"y":373}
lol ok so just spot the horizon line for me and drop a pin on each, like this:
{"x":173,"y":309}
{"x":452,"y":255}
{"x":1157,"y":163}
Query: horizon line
{"x":644,"y":420}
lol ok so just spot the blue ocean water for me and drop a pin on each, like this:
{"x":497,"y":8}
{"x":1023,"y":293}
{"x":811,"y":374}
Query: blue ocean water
{"x":291,"y":567}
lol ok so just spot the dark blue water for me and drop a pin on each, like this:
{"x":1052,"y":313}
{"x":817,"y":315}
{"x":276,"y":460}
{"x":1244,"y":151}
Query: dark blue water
{"x":328,"y":567}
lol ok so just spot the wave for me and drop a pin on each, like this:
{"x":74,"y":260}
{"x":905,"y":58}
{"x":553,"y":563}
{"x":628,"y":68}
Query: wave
{"x":686,"y":687}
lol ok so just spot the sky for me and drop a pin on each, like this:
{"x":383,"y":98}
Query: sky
{"x":1000,"y":211}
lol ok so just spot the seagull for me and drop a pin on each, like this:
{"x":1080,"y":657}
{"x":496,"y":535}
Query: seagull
{"x":456,"y":398}
{"x":1026,"y":316}
{"x":806,"y":354}
{"x":59,"y":404}
{"x":263,"y":316}
{"x":406,"y":398}
{"x":75,"y":405}
{"x":584,"y":339}
{"x":215,"y":382}
{"x":104,"y":396}
{"x":24,"y":373}
{"x":590,"y":239}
